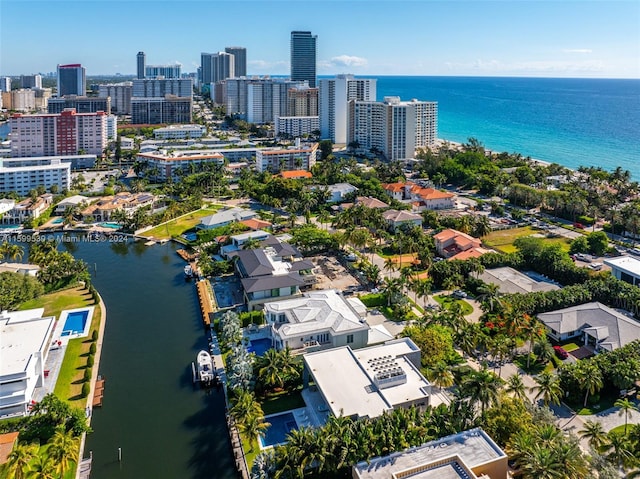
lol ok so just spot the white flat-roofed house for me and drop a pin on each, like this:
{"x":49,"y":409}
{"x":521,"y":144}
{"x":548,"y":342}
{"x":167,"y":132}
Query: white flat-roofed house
{"x":26,"y":338}
{"x":625,"y":268}
{"x":367,"y":382}
{"x":70,"y":202}
{"x":600,"y":327}
{"x":6,"y":205}
{"x":317,"y":320}
{"x":226,"y":217}
{"x":22,"y":268}
{"x":469,"y":454}
{"x":339,"y":191}
{"x":239,"y":240}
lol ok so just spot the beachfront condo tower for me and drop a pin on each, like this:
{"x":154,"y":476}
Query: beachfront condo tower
{"x":303,"y":57}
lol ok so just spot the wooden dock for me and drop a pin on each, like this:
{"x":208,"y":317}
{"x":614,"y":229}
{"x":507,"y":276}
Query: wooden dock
{"x":98,"y":392}
{"x":206,"y":305}
{"x":185,"y":255}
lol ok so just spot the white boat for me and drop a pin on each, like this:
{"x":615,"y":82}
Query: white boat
{"x":205,"y":367}
{"x":188,"y":272}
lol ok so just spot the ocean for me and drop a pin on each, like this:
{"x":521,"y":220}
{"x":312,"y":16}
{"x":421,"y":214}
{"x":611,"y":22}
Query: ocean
{"x":572,"y":122}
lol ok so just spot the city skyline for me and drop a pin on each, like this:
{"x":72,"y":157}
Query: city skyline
{"x":597,"y":39}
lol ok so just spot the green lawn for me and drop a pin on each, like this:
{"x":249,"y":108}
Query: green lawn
{"x":621,"y":429}
{"x":446,"y":302}
{"x":503,"y":239}
{"x":179,"y":225}
{"x":570,"y":347}
{"x":606,"y":402}
{"x":283,"y":401}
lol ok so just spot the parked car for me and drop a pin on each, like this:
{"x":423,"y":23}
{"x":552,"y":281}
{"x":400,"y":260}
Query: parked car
{"x":596,"y":266}
{"x":351,"y":257}
{"x":561,"y":352}
{"x":578,"y":225}
{"x":584,"y":257}
{"x":459,"y":294}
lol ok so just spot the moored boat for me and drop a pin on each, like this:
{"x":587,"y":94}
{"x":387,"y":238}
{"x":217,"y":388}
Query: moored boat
{"x":204,"y":363}
{"x":188,"y":272}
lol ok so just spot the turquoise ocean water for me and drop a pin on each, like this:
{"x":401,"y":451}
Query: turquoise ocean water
{"x":573,"y":122}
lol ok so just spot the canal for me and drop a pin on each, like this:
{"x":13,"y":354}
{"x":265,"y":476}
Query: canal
{"x":164,"y":427}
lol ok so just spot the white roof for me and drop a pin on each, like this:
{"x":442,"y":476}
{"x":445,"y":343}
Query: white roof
{"x":23,"y":333}
{"x":510,"y":280}
{"x":345,"y":378}
{"x":259,"y":234}
{"x":343,"y":187}
{"x":72,"y":200}
{"x":317,"y":311}
{"x":227,"y":216}
{"x":625,"y":263}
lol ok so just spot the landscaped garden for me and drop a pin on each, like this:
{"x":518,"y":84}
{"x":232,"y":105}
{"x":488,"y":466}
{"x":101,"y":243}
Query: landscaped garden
{"x":447,"y":302}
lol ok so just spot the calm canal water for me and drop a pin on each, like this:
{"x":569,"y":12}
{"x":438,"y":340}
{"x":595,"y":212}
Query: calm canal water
{"x":165,"y":427}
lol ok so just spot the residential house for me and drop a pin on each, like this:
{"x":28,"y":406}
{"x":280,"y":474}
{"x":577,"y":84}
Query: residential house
{"x":453,"y":244}
{"x":28,"y":209}
{"x":237,"y":242}
{"x":511,"y":280}
{"x":366,"y":382}
{"x":256,"y":224}
{"x":421,"y":198}
{"x":339,"y":192}
{"x":367,"y":202}
{"x":396,"y":219}
{"x":276,"y":270}
{"x":226,"y":217}
{"x":317,"y":320}
{"x":70,"y":202}
{"x":6,"y":205}
{"x":625,"y":268}
{"x":295,"y":174}
{"x":103,"y":209}
{"x":26,"y":341}
{"x":22,"y":268}
{"x":598,"y":326}
{"x":469,"y":454}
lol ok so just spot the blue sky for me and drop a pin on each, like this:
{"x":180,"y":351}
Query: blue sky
{"x":420,"y":37}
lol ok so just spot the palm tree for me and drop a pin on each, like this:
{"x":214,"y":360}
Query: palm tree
{"x":11,"y":251}
{"x":626,"y":407}
{"x":42,"y":468}
{"x":252,"y":426}
{"x":594,"y":433}
{"x":619,"y":449}
{"x":423,"y":289}
{"x":63,"y":450}
{"x":481,"y":387}
{"x":516,"y":386}
{"x":548,"y":387}
{"x":543,"y":350}
{"x":441,"y":375}
{"x":488,"y":296}
{"x":589,"y":376}
{"x":19,"y":459}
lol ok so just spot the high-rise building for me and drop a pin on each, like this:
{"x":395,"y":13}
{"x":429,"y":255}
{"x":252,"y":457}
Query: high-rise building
{"x":335,"y":94}
{"x":303,"y":57}
{"x":393,"y":127}
{"x":302,"y":101}
{"x":141,"y":60}
{"x":120,"y":94}
{"x":170,"y":109}
{"x":65,"y":133}
{"x":81,"y":104}
{"x":5,"y":83}
{"x":216,"y":67}
{"x":166,"y":71}
{"x":239,"y":60}
{"x":156,"y":87}
{"x":22,"y":175}
{"x":71,"y":80}
{"x":30,"y":81}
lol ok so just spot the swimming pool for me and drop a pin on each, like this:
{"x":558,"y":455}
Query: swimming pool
{"x":259,"y":346}
{"x":281,"y":425}
{"x":76,"y":322}
{"x":57,"y":221}
{"x":113,"y":226}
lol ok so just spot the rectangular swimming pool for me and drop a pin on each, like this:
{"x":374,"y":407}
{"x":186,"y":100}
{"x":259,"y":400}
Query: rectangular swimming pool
{"x":281,"y":425}
{"x":259,"y":346}
{"x":75,"y":322}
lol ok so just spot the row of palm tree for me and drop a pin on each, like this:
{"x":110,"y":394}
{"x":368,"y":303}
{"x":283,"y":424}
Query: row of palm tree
{"x":54,"y":460}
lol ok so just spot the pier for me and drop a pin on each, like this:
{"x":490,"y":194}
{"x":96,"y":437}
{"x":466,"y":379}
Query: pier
{"x":206,"y":303}
{"x":98,"y":392}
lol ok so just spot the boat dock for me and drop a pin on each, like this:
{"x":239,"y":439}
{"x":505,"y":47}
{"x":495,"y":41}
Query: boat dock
{"x":206,"y":303}
{"x":185,"y":255}
{"x":98,"y":392}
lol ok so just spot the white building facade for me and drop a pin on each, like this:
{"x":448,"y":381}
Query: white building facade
{"x":334,"y":97}
{"x":297,"y":158}
{"x":22,"y":175}
{"x":393,"y":127}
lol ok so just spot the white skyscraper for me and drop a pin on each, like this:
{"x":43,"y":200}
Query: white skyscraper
{"x":334,"y":96}
{"x":393,"y":127}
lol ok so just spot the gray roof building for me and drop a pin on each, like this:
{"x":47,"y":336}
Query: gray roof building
{"x":510,"y":280}
{"x":602,"y":328}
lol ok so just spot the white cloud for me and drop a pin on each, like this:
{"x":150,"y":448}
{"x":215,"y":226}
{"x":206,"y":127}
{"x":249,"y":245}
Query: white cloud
{"x":577,"y":50}
{"x":526,"y":67}
{"x":344,"y":61}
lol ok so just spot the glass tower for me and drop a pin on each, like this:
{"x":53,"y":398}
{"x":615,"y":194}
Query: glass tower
{"x":303,"y":57}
